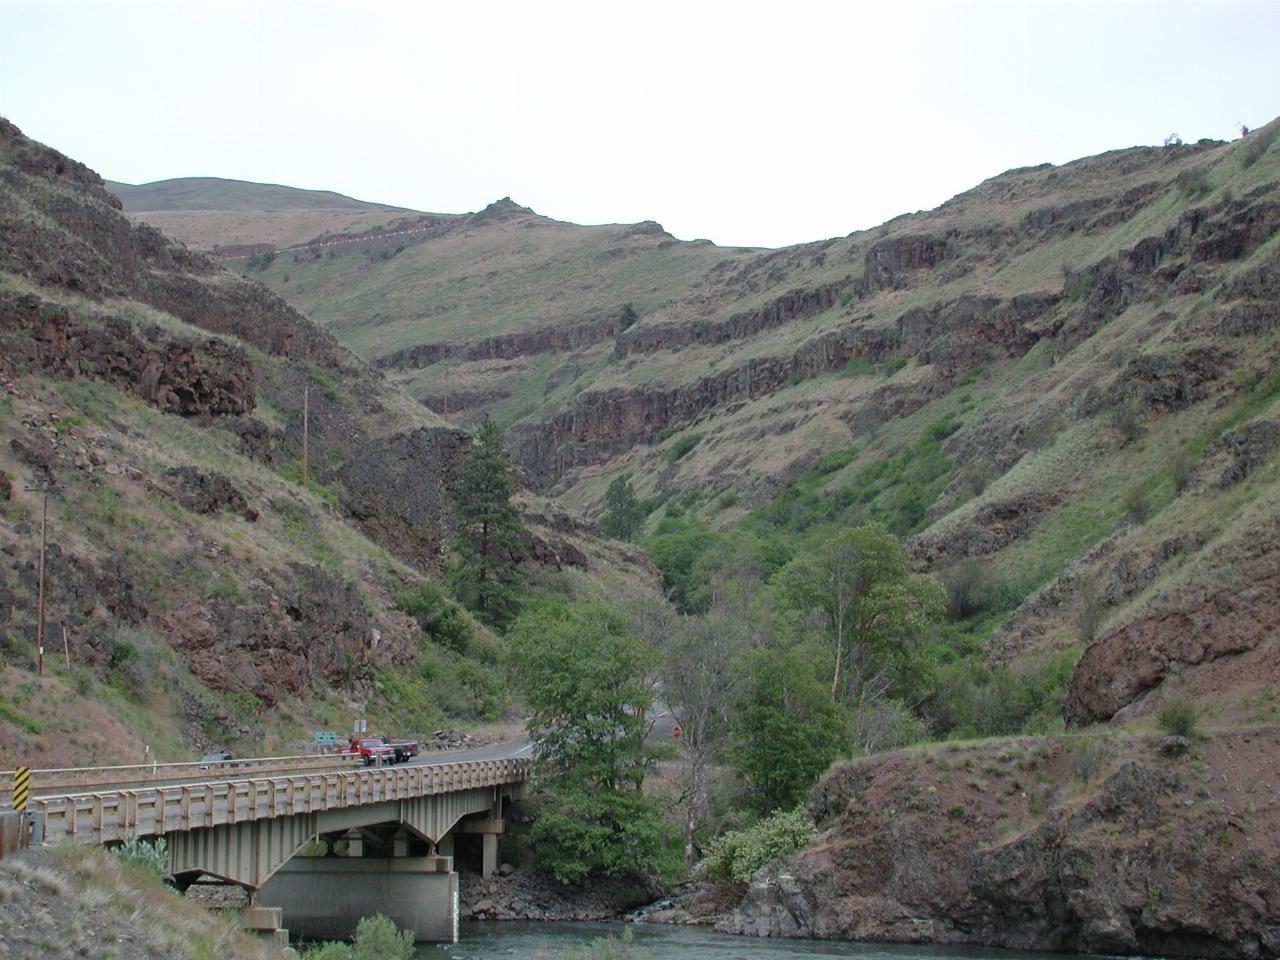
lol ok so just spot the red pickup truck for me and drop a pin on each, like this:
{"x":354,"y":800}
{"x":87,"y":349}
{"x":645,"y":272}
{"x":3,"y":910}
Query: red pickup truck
{"x":379,"y":749}
{"x":372,"y":750}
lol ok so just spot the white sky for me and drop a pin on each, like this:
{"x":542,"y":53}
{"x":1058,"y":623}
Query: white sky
{"x":747,"y":123}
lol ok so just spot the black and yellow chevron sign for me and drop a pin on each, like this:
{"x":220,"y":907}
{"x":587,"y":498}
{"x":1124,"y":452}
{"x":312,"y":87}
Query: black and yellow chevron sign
{"x":21,"y":787}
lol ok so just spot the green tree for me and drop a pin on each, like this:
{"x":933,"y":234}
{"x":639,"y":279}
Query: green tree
{"x":484,"y":573}
{"x":623,"y":516}
{"x":872,"y":610}
{"x":589,"y":689}
{"x":786,"y":729}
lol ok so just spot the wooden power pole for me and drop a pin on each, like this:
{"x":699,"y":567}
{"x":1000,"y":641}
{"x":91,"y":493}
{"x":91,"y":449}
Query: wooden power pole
{"x":43,"y":490}
{"x":306,"y":430}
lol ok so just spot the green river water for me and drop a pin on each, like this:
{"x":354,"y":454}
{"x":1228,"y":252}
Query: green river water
{"x":544,"y":941}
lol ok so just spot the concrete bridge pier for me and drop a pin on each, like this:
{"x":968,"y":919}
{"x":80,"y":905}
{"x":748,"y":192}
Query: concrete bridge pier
{"x":325,"y":897}
{"x":266,"y":922}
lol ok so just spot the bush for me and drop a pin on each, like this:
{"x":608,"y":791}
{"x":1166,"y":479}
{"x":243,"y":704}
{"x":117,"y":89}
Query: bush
{"x":738,"y":854}
{"x":1126,"y":420}
{"x":152,"y":857}
{"x":327,"y":951}
{"x":1194,"y":184}
{"x":683,"y":445}
{"x":1091,"y":612}
{"x":834,"y":460}
{"x":1088,"y":755}
{"x":378,"y":938}
{"x":1137,"y":506}
{"x":1178,"y":718}
{"x":1258,"y":143}
{"x":1182,"y":470}
{"x":971,"y":589}
{"x":441,"y":620}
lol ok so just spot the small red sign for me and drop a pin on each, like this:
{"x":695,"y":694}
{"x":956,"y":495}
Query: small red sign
{"x":675,"y":730}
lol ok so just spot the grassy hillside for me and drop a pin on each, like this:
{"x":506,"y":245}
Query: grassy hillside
{"x":1058,"y":385}
{"x":208,"y":596}
{"x":205,"y":212}
{"x":217,"y":193}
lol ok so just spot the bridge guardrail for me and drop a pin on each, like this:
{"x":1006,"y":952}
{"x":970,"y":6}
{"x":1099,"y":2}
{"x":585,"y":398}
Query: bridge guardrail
{"x":76,"y":779}
{"x":104,"y":816}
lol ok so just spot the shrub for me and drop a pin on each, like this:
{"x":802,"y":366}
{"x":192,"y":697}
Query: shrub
{"x":1178,"y":718}
{"x":152,"y":857}
{"x":1126,"y":420}
{"x":441,"y":620}
{"x":834,"y":460}
{"x":1091,"y":612}
{"x":971,"y":589}
{"x":1182,"y":469}
{"x":683,"y":445}
{"x":1137,"y":506}
{"x":1258,"y":143}
{"x":1193,"y":184}
{"x":1043,"y":432}
{"x":666,"y":433}
{"x":738,"y":854}
{"x":327,"y":951}
{"x":1088,"y":755}
{"x":378,"y":938}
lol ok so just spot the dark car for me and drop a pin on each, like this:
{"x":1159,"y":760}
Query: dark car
{"x":213,"y":761}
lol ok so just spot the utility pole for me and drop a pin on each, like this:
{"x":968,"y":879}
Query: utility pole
{"x":306,"y":430}
{"x":43,"y":489}
{"x":446,"y":391}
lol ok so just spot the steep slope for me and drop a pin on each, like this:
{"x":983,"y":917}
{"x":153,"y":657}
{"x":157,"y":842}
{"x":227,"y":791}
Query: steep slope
{"x":232,"y":217}
{"x":1063,"y":377}
{"x":203,"y":593}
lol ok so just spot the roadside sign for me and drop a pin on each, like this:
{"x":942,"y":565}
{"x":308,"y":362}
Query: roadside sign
{"x":675,"y":730}
{"x":21,"y":787}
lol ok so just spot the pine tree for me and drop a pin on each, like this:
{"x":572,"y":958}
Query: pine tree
{"x":623,"y":514}
{"x":484,"y":575}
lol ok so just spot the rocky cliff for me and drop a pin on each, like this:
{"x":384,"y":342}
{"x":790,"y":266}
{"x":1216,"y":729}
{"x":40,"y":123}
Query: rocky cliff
{"x":1100,"y":845}
{"x":189,"y":569}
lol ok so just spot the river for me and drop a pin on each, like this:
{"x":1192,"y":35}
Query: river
{"x":544,"y":941}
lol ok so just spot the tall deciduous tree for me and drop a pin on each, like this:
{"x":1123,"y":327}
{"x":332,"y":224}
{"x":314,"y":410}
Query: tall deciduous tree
{"x":623,"y":516}
{"x":786,"y":729}
{"x":701,"y":673}
{"x":589,"y":685}
{"x":873,"y":610}
{"x":484,"y":574}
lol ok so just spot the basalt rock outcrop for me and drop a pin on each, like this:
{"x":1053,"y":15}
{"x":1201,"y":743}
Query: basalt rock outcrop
{"x":1153,"y":856}
{"x":175,"y":375}
{"x":304,"y":628}
{"x":206,"y":493}
{"x":62,"y":228}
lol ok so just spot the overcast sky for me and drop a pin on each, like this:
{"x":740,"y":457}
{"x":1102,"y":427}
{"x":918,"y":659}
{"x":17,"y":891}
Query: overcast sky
{"x":758,"y":124}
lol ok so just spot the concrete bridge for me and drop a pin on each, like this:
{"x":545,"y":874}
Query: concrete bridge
{"x":297,"y":831}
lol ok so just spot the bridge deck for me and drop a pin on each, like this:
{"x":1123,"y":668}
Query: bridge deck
{"x":103,"y":816}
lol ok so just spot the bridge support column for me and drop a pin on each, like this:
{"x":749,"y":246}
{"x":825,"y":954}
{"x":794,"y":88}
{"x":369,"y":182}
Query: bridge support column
{"x":490,"y":829}
{"x":266,"y":922}
{"x":324,"y":898}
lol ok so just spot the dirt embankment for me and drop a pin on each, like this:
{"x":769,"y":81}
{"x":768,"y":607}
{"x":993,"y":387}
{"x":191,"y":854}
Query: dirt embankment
{"x":1135,"y":845}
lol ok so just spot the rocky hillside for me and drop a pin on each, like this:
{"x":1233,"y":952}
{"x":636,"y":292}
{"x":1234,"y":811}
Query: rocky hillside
{"x":1063,"y":378}
{"x":205,"y":594}
{"x":1101,"y":844}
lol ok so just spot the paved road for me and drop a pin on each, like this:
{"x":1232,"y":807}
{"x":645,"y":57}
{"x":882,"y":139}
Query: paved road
{"x":512,"y":749}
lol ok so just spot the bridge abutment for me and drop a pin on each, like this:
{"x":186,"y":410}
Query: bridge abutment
{"x":324,"y":898}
